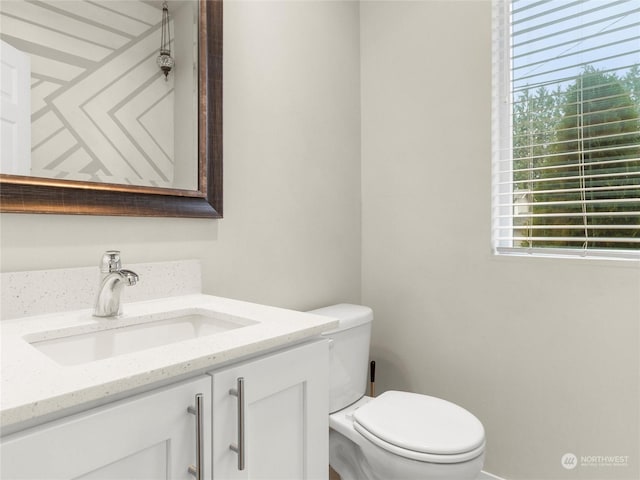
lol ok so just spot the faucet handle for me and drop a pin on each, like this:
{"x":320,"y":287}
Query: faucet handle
{"x":110,"y":261}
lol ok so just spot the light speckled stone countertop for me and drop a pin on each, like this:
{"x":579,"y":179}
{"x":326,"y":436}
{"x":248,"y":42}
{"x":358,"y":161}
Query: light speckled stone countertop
{"x":34,"y":386}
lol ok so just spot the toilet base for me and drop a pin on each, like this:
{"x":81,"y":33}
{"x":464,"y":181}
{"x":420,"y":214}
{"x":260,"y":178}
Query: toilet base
{"x":341,"y":458}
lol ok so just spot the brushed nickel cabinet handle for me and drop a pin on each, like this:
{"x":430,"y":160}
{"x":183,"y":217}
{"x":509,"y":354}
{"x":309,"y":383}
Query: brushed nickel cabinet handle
{"x":197,"y":470}
{"x":239,"y":447}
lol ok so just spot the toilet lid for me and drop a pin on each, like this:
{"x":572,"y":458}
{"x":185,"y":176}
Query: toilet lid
{"x":421,"y":423}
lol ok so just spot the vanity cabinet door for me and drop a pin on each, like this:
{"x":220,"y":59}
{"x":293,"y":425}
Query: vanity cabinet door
{"x":285,"y":416}
{"x":149,"y":436}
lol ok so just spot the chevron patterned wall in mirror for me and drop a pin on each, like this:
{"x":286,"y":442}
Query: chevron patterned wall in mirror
{"x":180,"y":174}
{"x":100,"y":109}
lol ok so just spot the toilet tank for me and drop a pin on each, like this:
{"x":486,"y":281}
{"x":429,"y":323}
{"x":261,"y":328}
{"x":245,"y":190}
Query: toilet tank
{"x":348,"y":353}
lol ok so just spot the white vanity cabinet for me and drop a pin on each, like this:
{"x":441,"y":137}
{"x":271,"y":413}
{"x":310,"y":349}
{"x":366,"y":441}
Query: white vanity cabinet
{"x":281,"y":407}
{"x":282,"y":402}
{"x":152,"y":435}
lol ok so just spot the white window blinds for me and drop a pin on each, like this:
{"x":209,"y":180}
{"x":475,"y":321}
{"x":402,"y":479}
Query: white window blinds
{"x":566,"y":134}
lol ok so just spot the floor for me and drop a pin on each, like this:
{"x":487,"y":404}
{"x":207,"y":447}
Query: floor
{"x":333,"y":475}
{"x":483,"y":475}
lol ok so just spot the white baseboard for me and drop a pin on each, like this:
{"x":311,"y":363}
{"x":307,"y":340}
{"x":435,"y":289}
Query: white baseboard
{"x":488,"y":476}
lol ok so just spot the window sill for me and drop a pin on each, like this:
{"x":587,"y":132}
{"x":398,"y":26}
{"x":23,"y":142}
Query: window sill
{"x":621,"y":258}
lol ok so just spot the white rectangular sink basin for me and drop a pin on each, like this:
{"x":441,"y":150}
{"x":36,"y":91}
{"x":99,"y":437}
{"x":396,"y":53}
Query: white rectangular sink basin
{"x":75,"y":346}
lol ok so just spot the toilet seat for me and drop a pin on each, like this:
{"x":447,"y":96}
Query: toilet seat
{"x":420,"y":427}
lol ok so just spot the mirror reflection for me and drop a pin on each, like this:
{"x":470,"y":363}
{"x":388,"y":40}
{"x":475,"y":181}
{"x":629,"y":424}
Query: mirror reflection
{"x":85,"y":96}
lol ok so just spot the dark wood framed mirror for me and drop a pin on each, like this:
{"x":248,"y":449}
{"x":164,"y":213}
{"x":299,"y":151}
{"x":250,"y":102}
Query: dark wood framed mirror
{"x":25,"y":194}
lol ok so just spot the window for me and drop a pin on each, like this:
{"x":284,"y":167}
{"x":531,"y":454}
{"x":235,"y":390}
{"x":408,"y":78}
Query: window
{"x":566,"y":131}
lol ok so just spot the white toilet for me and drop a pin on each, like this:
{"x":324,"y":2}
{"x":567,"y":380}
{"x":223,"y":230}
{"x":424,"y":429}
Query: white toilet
{"x":397,"y":435}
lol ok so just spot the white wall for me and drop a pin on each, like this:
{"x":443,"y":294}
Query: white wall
{"x":291,"y":232}
{"x":544,"y":352}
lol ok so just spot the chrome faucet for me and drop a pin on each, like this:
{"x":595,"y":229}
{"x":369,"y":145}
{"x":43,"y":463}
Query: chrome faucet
{"x":112,"y":279}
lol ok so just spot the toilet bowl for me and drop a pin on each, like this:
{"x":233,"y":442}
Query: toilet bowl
{"x":356,"y":456}
{"x":397,"y":435}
